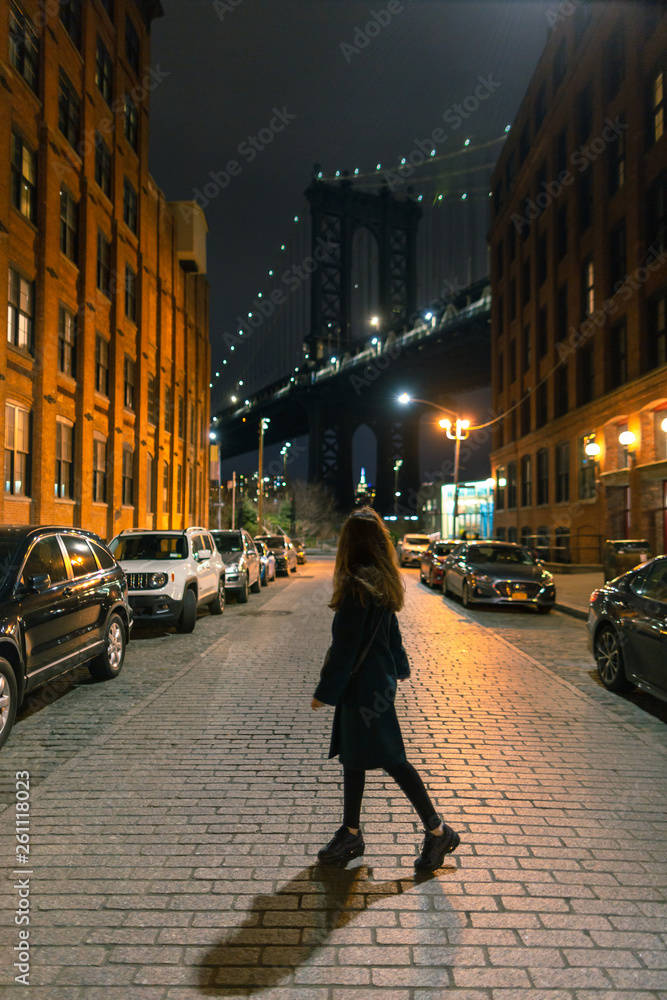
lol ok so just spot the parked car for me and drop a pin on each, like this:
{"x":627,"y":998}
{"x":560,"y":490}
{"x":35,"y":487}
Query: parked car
{"x":627,"y":629}
{"x":498,"y":573}
{"x":300,"y":551}
{"x":267,"y":563}
{"x":170,"y":574}
{"x":63,"y":603}
{"x":283,"y":551}
{"x":432,"y":566}
{"x":411,"y":549}
{"x":242,"y":563}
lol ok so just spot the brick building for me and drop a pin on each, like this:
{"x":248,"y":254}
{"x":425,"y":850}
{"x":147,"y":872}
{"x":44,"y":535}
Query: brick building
{"x":104,"y":371}
{"x":579,"y":285}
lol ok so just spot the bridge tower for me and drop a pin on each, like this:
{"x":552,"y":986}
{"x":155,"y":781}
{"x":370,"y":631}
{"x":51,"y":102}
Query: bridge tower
{"x":339,"y":214}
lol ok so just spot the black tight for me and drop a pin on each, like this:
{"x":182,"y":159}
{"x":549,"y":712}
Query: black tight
{"x":408,"y":781}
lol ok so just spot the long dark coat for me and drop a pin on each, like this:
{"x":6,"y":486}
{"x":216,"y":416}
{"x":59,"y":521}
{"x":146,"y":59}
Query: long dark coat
{"x":366,"y":733}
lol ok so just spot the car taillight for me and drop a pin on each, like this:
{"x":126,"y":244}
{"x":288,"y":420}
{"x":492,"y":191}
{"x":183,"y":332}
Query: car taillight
{"x":593,"y":596}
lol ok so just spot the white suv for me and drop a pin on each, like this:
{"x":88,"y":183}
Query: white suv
{"x":170,"y":574}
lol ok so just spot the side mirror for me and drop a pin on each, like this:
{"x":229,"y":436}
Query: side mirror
{"x":38,"y":584}
{"x":205,"y":554}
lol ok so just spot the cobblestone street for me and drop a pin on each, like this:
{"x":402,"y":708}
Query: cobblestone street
{"x":176,"y":812}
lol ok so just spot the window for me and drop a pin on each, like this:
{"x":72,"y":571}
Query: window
{"x":20,"y":311}
{"x":131,"y":123}
{"x":105,"y":560}
{"x":64,"y":460}
{"x":130,"y":294}
{"x":152,"y":400}
{"x":617,"y":163}
{"x":23,"y":45}
{"x":500,"y":372}
{"x":560,"y":64}
{"x":102,"y":164}
{"x":103,"y":264}
{"x":657,"y":105}
{"x":150,"y":484}
{"x":542,"y":332}
{"x":561,"y":391}
{"x":541,"y":405}
{"x":615,"y":62}
{"x":657,"y":330}
{"x":587,"y":287}
{"x":181,"y":417}
{"x":524,"y":416}
{"x":525,"y":281}
{"x":526,"y":536}
{"x":129,"y":206}
{"x":165,"y":487}
{"x":540,"y":107}
{"x":526,"y":348}
{"x":542,"y":259}
{"x":585,"y":112}
{"x":17,"y":450}
{"x":80,"y":556}
{"x":511,"y":484}
{"x":69,"y":109}
{"x":526,"y":481}
{"x":24,"y":178}
{"x":500,"y":534}
{"x":191,"y":492}
{"x":512,"y":361}
{"x":585,"y":369}
{"x":132,"y":46}
{"x":561,"y":314}
{"x":128,"y":392}
{"x":542,"y":542}
{"x":67,"y":342}
{"x":561,"y":231}
{"x":501,"y":486}
{"x":617,"y":261}
{"x":618,"y":355}
{"x":101,"y":365}
{"x":46,"y":558}
{"x":657,"y":213}
{"x":99,"y":470}
{"x":192,"y":424}
{"x":69,"y":225}
{"x":70,"y":18}
{"x":586,"y":471}
{"x":167,"y":410}
{"x":562,"y":471}
{"x":585,"y":193}
{"x":179,"y":489}
{"x":128,"y":476}
{"x":543,"y":476}
{"x":562,"y":545}
{"x":103,"y":71}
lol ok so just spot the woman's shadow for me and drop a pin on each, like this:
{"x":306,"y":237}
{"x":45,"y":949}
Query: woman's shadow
{"x":281,"y":931}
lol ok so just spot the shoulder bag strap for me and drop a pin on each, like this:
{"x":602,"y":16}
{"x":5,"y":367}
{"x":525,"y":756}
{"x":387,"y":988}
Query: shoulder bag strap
{"x":364,"y":652}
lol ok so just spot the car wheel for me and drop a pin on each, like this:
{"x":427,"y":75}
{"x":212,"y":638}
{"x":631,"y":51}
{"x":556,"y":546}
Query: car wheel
{"x":217,"y":605}
{"x":609,"y":659}
{"x":242,"y":595}
{"x":430,"y":579}
{"x":188,"y":619}
{"x":8,"y":699}
{"x":465,"y":595}
{"x":110,"y":661}
{"x":264,"y":579}
{"x":446,"y":592}
{"x":256,"y":587}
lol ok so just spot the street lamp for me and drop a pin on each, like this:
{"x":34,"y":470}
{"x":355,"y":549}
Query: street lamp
{"x":397,"y":467}
{"x":263,"y":424}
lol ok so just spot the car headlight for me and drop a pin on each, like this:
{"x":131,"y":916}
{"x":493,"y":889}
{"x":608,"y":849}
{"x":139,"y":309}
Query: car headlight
{"x":481,"y":578}
{"x":547,"y":577}
{"x":157,"y":580}
{"x":232,"y":568}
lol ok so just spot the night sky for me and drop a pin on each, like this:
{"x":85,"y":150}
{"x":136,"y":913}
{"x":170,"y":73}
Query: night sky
{"x":233,"y":64}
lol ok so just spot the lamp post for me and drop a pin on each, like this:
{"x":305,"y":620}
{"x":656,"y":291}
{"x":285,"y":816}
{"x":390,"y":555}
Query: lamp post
{"x":397,"y":467}
{"x":263,"y":424}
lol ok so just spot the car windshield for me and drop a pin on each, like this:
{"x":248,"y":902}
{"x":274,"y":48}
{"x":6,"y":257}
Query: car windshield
{"x":227,"y":543}
{"x":416,"y":539}
{"x":504,"y":554}
{"x":127,"y":547}
{"x":274,"y":541}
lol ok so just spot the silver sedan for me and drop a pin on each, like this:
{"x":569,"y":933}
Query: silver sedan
{"x":498,"y":573}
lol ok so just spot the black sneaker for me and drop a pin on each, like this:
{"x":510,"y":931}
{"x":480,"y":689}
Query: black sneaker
{"x":434,"y":849}
{"x":342,"y":847}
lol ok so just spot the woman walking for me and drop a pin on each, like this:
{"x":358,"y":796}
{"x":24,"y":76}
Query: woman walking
{"x":359,"y":676}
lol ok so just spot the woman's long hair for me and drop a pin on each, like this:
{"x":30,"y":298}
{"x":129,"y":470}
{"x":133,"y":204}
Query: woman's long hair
{"x":366,"y":562}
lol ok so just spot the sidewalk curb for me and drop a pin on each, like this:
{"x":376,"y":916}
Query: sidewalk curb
{"x":572,"y":612}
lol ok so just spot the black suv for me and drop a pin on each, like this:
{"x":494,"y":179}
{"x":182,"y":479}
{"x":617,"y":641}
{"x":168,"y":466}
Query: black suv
{"x":63,"y":602}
